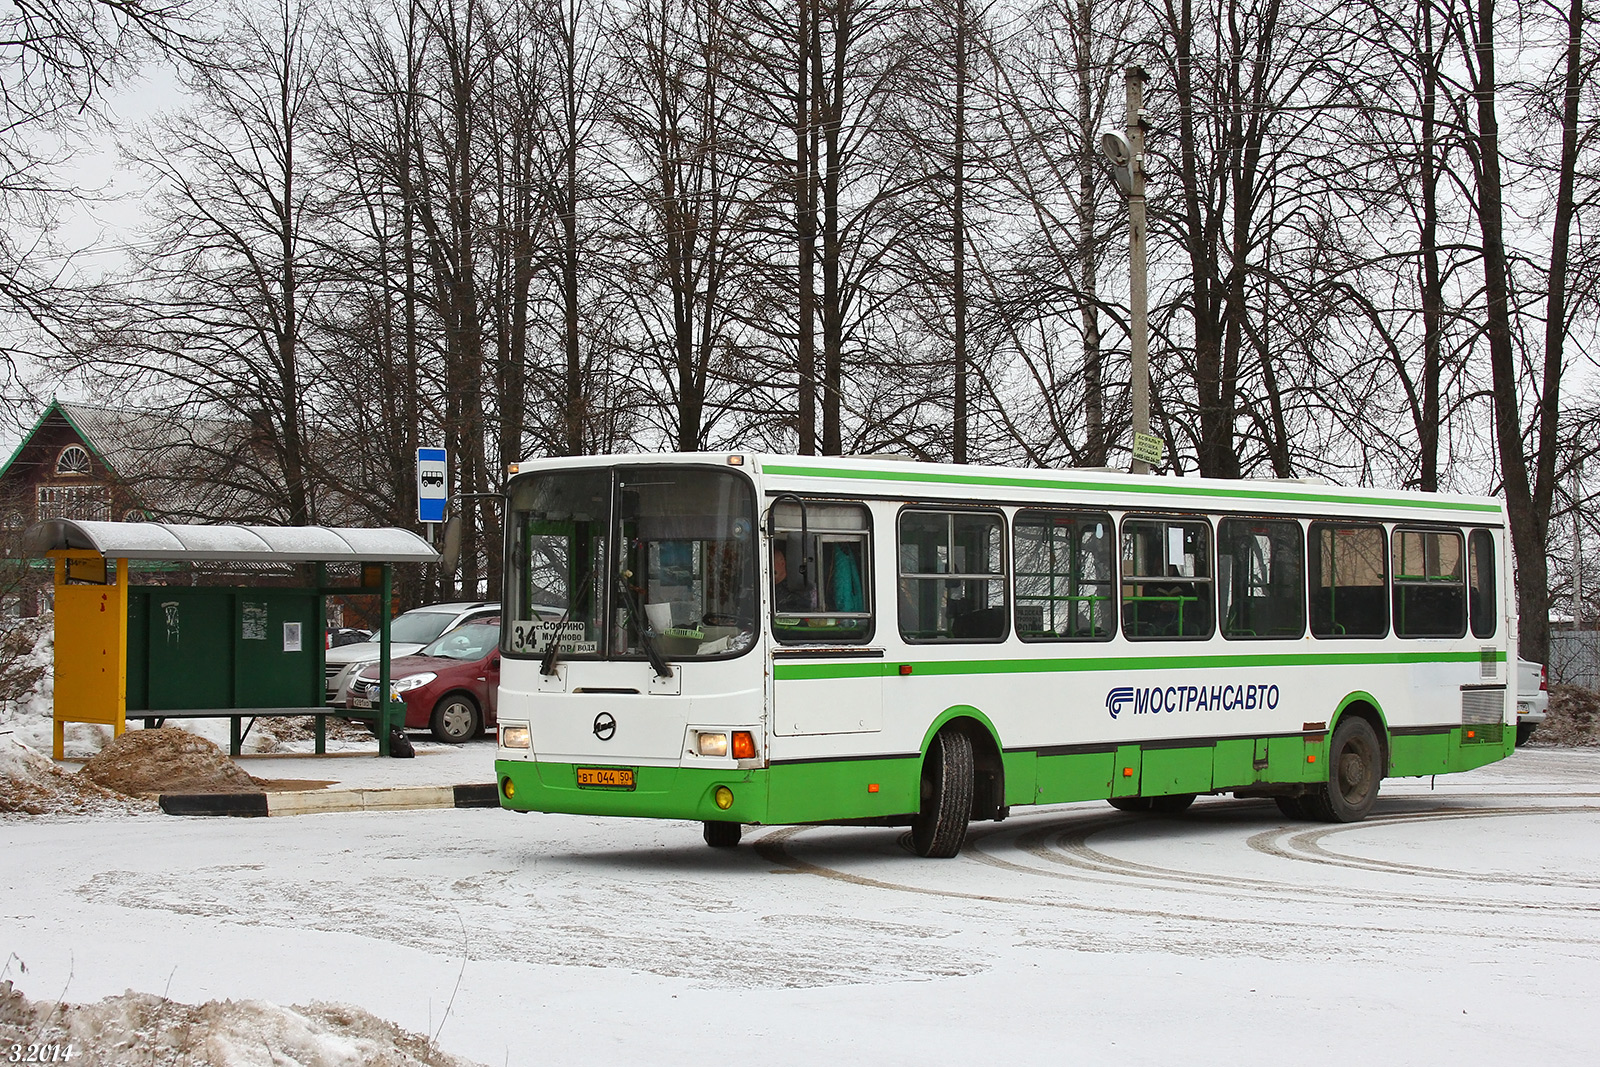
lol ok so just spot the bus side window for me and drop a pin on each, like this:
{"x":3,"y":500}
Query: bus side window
{"x":836,"y":605}
{"x":1481,"y":594}
{"x":1261,"y":578}
{"x":1166,"y":578}
{"x":952,"y":576}
{"x":1429,"y":584}
{"x":1063,"y":573}
{"x":1349,"y":572}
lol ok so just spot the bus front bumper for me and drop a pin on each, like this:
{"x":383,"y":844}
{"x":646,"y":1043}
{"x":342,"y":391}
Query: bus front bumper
{"x":656,"y":792}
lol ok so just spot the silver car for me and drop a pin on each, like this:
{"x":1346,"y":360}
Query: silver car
{"x":1533,"y":697}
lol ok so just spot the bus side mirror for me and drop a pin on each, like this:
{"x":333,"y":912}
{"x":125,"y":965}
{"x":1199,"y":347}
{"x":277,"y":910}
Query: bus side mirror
{"x":800,"y":552}
{"x":450,"y":554}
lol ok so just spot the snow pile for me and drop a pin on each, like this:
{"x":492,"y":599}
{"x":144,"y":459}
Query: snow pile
{"x":168,"y":760}
{"x":146,"y":1029}
{"x":1573,"y":717}
{"x":298,"y":734}
{"x":31,"y":784}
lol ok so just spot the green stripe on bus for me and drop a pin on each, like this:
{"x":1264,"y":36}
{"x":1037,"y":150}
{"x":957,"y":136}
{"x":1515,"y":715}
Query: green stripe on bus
{"x":1162,"y":487}
{"x":794,"y":672}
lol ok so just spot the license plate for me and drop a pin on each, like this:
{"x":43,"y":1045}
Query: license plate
{"x":605,"y":777}
{"x":360,"y":702}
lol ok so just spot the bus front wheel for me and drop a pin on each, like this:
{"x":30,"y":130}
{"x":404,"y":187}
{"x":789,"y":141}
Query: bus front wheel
{"x":1355,"y":769}
{"x":722,"y":834}
{"x":947,"y":782}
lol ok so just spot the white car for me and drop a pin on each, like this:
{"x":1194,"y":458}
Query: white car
{"x":1533,"y":697}
{"x":408,"y":632}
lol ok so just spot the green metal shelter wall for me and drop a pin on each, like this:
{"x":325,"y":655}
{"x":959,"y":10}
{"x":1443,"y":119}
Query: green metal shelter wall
{"x":209,"y":647}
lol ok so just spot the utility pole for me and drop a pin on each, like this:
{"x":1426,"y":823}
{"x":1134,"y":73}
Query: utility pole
{"x":1138,"y":298}
{"x":1127,"y":156}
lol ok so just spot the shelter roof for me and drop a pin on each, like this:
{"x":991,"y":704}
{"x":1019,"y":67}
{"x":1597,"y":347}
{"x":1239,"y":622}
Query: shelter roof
{"x":256,"y":544}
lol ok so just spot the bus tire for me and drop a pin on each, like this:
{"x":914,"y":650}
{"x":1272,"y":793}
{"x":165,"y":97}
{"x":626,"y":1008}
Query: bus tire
{"x":1355,"y":770}
{"x":1130,"y":803}
{"x":940,"y":827}
{"x":722,"y":834}
{"x":1175,"y":804}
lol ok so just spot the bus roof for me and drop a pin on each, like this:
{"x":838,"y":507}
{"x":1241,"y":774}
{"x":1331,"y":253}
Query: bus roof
{"x":895,"y":477}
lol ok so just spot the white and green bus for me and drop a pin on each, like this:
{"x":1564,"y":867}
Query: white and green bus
{"x":760,"y":639}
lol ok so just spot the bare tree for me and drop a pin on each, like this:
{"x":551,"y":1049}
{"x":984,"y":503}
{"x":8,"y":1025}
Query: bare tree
{"x":217,"y":313}
{"x":57,"y":59}
{"x":685,"y":209}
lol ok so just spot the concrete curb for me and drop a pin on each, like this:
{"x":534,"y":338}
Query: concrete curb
{"x":401,"y":798}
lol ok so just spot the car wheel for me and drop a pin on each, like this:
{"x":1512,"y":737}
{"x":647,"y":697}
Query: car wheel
{"x":1525,"y":732}
{"x":455,"y":719}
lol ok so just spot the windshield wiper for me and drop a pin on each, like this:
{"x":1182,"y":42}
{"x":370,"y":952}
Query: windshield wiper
{"x":552,"y":651}
{"x":662,"y":669}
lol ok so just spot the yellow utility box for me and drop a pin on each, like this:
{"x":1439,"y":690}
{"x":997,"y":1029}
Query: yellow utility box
{"x":91,"y":635}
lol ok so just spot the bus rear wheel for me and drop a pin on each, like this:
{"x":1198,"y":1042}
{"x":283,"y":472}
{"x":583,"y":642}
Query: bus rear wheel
{"x":940,"y":826}
{"x":722,"y":834}
{"x":1292,"y":807}
{"x":1130,"y":803}
{"x":1355,"y":770}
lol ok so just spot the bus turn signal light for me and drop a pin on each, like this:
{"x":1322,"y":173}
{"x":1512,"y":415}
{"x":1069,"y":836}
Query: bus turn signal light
{"x":1127,"y":772}
{"x":744,"y":745}
{"x":872,"y":787}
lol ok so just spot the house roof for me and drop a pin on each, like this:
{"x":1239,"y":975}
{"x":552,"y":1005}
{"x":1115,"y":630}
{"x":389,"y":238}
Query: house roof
{"x":175,"y":464}
{"x":254,"y":544}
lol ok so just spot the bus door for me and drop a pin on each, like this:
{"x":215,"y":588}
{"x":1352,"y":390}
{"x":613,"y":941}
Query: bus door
{"x":827,"y":675}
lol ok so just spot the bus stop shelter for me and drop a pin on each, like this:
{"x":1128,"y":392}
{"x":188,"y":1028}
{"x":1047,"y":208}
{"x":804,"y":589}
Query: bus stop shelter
{"x":211,"y":651}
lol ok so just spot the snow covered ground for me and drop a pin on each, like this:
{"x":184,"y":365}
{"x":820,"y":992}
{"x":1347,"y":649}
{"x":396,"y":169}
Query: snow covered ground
{"x":1457,"y":925}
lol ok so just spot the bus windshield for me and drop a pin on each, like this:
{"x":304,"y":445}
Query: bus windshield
{"x":619,"y":562}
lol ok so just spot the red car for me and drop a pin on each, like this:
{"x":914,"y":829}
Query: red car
{"x":449,"y":686}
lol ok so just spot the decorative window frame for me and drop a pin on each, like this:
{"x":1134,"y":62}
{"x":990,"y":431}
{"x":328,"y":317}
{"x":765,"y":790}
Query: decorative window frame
{"x":75,"y":470}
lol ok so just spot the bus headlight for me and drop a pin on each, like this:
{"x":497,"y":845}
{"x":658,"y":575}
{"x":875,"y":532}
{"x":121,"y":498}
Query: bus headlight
{"x":713,"y":744}
{"x":515,"y":737}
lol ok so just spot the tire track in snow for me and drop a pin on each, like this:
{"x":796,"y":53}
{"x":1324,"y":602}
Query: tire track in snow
{"x":1068,"y":848}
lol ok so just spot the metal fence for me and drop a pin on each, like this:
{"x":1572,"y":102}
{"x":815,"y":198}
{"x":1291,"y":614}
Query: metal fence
{"x":1575,"y":658}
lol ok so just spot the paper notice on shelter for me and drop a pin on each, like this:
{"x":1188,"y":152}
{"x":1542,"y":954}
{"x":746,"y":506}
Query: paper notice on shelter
{"x":254,"y":626}
{"x":291,"y":637}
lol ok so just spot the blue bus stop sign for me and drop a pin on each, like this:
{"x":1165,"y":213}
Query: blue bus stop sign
{"x":431,"y":489}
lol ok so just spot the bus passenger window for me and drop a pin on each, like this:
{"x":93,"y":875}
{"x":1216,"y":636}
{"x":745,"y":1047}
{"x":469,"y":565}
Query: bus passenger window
{"x":832,"y":604}
{"x":1064,"y":575}
{"x":1348,"y":576}
{"x":1166,"y":579}
{"x":1481,"y":595}
{"x":1429,"y":584}
{"x":1261,"y":588}
{"x":952,"y":584}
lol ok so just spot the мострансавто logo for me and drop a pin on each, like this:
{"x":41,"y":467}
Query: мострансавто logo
{"x":1154,"y":699}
